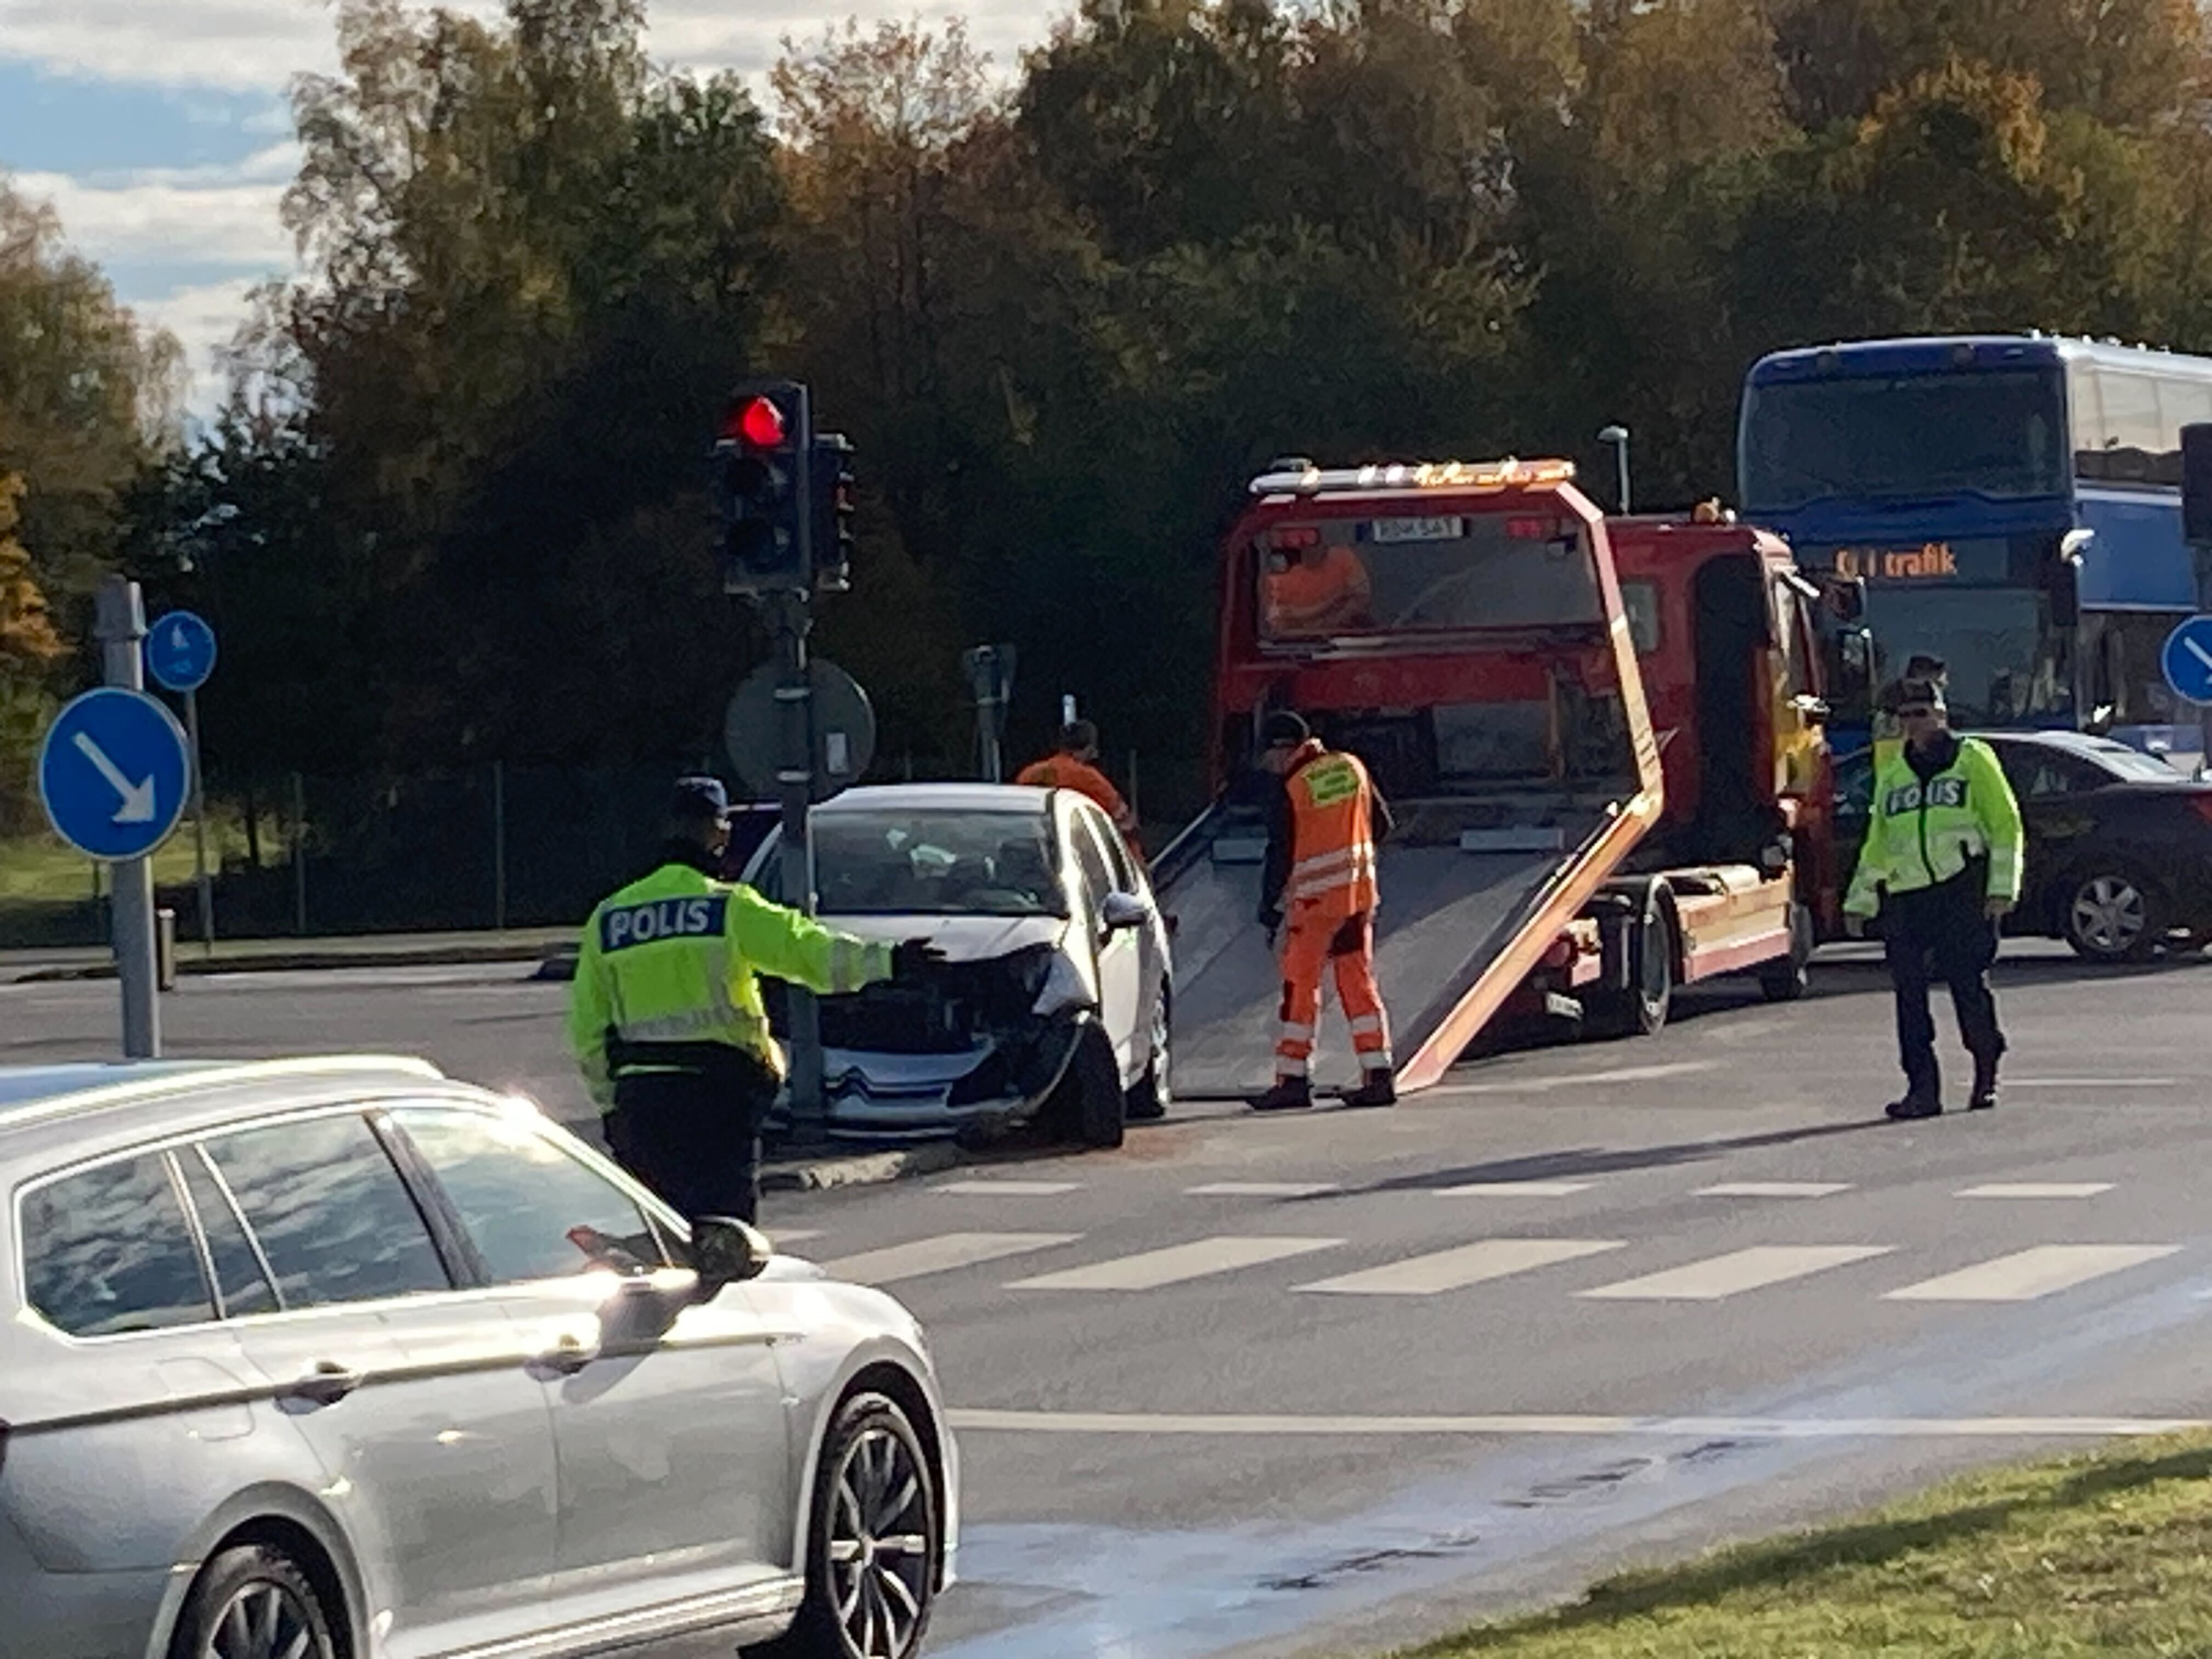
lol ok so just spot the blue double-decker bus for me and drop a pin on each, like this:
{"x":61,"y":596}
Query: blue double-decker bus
{"x":2014,"y":507}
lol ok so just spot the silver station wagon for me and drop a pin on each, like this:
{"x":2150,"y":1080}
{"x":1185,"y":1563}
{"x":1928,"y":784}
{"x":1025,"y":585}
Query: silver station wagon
{"x":341,"y":1360}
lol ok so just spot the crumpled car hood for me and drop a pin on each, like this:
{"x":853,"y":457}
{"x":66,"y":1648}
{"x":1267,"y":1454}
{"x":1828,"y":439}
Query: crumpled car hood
{"x":962,"y":938}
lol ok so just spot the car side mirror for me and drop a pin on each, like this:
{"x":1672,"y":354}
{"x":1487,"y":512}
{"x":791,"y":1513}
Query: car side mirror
{"x":727,"y":1251}
{"x":1123,"y":911}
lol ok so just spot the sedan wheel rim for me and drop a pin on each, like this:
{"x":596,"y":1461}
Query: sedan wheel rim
{"x":879,"y":1562}
{"x":2109,"y":913}
{"x":262,"y":1621}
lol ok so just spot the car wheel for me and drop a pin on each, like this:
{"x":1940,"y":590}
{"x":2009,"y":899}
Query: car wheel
{"x":875,"y":1541}
{"x":1790,"y":978}
{"x":1154,"y":1094}
{"x":1089,"y":1106}
{"x":2112,"y":914}
{"x":253,"y":1603}
{"x":1642,"y":1009}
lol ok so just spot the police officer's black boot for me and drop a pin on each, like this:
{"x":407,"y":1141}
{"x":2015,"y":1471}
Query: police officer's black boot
{"x":1985,"y":1095}
{"x":1923,"y":1097}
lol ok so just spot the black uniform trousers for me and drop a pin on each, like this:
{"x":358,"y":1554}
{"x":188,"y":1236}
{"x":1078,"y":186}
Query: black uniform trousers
{"x":1941,"y":933}
{"x":693,"y":1136}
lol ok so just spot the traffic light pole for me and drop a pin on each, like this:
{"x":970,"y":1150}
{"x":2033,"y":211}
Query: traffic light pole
{"x":789,"y":615}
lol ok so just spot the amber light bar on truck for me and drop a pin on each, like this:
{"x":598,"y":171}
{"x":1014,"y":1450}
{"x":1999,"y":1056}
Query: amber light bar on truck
{"x":1508,"y":474}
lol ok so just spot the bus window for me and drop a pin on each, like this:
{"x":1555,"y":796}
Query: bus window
{"x":2087,"y":414}
{"x":2181,"y":403}
{"x":2133,"y":439}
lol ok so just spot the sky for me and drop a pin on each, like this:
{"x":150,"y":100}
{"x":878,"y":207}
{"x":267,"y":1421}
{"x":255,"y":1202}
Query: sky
{"x":159,"y":131}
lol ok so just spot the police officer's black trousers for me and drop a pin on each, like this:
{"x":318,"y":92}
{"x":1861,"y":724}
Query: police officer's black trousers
{"x":1941,"y":933}
{"x":695,"y":1137}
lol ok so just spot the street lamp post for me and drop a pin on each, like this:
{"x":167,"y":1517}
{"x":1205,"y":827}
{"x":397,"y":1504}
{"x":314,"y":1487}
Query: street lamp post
{"x":1618,"y":437}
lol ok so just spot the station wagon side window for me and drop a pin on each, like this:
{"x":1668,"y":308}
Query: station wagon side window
{"x":329,"y":1211}
{"x":243,"y":1284}
{"x":108,"y":1250}
{"x":529,"y":1208}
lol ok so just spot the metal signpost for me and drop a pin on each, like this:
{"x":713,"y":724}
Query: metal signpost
{"x":114,"y":772}
{"x":180,"y":656}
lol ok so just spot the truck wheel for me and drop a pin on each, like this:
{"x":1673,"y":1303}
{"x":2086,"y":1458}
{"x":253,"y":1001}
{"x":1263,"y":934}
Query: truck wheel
{"x":1789,"y":979}
{"x":1641,"y":1009}
{"x":1089,"y":1108}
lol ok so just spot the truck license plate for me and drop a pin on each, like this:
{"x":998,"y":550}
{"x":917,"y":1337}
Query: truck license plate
{"x":1418,"y":530}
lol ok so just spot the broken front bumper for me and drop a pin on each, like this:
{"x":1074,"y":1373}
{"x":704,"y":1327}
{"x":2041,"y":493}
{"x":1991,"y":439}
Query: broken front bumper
{"x":881,"y":1097}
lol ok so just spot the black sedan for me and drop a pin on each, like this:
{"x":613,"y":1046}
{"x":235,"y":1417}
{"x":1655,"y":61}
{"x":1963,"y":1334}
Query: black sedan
{"x":2120,"y":844}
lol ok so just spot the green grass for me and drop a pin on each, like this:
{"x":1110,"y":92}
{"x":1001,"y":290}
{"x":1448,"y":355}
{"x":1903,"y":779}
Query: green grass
{"x":42,"y":869}
{"x":2108,"y":1553}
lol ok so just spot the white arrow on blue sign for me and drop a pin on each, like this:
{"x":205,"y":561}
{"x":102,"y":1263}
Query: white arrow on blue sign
{"x":114,"y":773}
{"x":2188,"y":659}
{"x":181,"y":651}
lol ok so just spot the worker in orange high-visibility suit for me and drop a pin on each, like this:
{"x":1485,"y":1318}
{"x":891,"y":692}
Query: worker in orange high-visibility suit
{"x":1320,"y":890}
{"x":1074,"y":765}
{"x":1321,"y":591}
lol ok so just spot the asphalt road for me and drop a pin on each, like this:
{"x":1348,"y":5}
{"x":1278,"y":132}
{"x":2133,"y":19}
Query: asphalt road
{"x":1325,"y":1384}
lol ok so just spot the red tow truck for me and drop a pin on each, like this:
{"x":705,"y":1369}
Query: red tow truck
{"x":1602,"y":741}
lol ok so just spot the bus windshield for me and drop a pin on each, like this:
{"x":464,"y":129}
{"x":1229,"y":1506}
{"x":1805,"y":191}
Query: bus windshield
{"x":1999,"y":432}
{"x":2006,"y":664}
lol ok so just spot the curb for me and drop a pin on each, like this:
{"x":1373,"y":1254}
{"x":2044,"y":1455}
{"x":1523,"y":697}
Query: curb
{"x":457,"y":956}
{"x":862,"y":1168}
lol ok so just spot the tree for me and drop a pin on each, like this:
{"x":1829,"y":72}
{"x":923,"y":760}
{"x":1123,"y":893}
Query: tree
{"x":29,"y":647}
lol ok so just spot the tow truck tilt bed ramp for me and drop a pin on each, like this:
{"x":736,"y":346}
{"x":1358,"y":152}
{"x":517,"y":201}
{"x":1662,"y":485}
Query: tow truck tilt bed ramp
{"x":1461,"y":628}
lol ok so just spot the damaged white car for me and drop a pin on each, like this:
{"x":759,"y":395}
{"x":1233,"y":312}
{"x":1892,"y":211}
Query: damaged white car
{"x":1054,"y":1000}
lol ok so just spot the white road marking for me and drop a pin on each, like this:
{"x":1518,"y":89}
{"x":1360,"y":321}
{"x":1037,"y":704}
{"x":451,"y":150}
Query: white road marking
{"x":1586,"y":1079}
{"x":782,"y":1236}
{"x":1009,"y":1188}
{"x":1151,"y":1269}
{"x":1736,"y":1272}
{"x":1463,"y":1265}
{"x":1263,"y":1188}
{"x":2036,"y":1189}
{"x":2092,"y":1083}
{"x":938,"y":1254}
{"x":2026,"y":1274}
{"x":1733,"y":1428}
{"x":1515,"y":1189}
{"x":1774,"y":1189}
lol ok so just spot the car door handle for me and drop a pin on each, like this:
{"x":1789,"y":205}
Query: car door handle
{"x":327,"y":1384}
{"x":569,"y":1354}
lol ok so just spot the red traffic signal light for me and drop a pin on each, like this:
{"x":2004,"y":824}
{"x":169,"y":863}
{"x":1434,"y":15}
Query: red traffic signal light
{"x":758,"y":421}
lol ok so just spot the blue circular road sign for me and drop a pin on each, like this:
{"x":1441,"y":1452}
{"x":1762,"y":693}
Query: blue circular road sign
{"x":181,"y":651}
{"x":113,"y":772}
{"x":2188,"y":659}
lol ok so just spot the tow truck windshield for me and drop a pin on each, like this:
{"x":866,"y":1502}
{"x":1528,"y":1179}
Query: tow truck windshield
{"x":1431,"y":573}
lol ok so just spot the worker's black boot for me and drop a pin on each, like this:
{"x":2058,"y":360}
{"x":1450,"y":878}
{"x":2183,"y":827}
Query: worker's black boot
{"x":1985,"y":1096}
{"x":1380,"y":1089}
{"x":1914,"y":1105}
{"x":1290,"y":1094}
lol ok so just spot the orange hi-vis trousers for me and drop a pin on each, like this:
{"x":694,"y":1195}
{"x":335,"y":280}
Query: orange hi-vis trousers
{"x":1312,"y":940}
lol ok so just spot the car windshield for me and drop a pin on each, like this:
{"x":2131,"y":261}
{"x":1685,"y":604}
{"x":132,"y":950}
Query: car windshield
{"x":2132,"y":764}
{"x":2000,"y":433}
{"x":2005,"y":664}
{"x":936,"y":862}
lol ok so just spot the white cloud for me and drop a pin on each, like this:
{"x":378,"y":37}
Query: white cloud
{"x":175,"y":216}
{"x":204,"y":317}
{"x":258,"y":45}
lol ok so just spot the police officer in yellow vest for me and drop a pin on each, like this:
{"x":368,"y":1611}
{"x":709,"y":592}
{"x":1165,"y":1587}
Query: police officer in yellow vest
{"x":666,"y":1019}
{"x":1941,"y":866}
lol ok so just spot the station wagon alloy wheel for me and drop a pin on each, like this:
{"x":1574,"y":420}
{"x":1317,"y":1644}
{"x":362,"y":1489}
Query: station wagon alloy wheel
{"x":879,"y":1546}
{"x":262,"y":1622}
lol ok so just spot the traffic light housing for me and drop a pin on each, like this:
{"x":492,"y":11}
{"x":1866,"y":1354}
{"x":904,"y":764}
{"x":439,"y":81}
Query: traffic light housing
{"x":833,"y":512}
{"x":765,"y":433}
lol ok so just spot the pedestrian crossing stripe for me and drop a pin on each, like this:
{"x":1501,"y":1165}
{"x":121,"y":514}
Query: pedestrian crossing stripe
{"x":2020,"y":1276}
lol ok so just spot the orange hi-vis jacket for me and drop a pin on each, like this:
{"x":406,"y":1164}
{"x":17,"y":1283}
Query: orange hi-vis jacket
{"x":1062,"y":771}
{"x":1312,"y":599}
{"x":1332,"y":809}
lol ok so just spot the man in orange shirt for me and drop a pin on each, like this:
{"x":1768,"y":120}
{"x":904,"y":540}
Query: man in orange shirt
{"x":1318,"y":592}
{"x":1074,"y":765}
